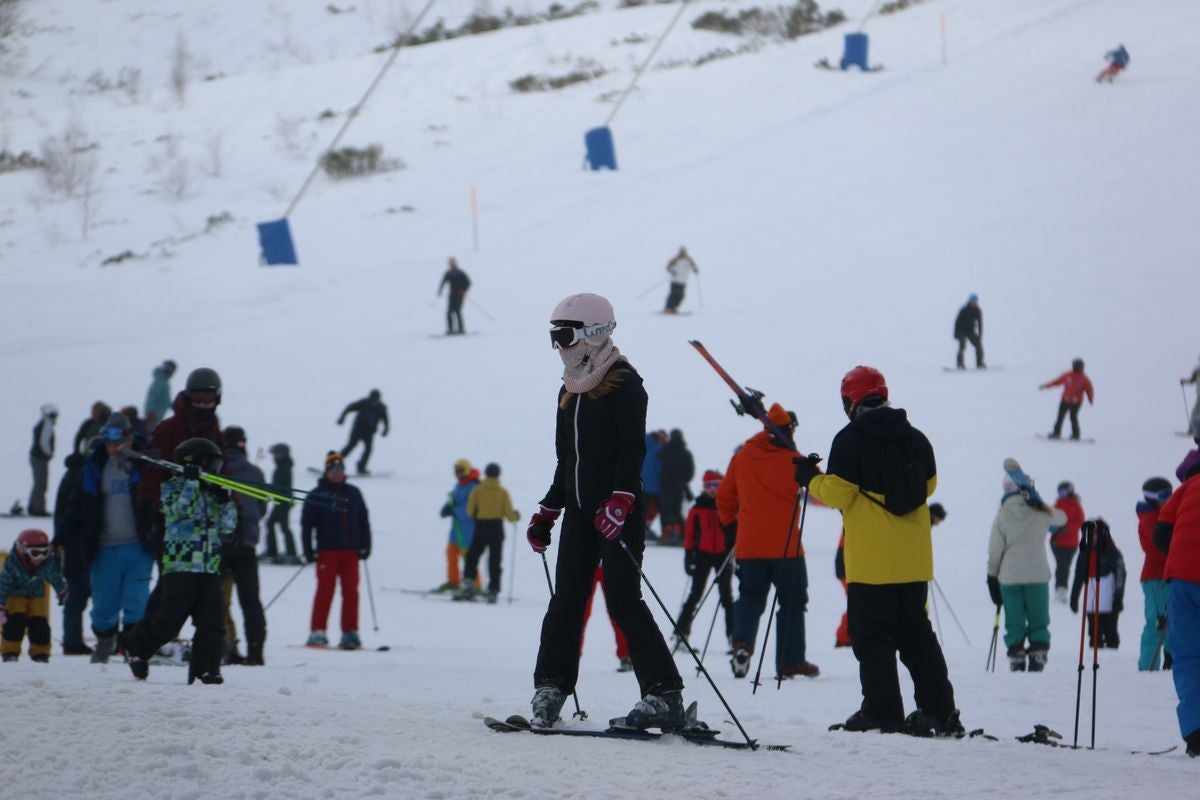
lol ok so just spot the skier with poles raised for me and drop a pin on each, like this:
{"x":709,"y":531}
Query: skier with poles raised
{"x":757,"y":498}
{"x":881,"y":471}
{"x":1018,"y":574}
{"x":599,"y":445}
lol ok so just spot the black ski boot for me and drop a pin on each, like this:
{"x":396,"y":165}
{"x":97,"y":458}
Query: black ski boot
{"x":1016,"y":658}
{"x":1193,"y":743}
{"x":664,"y":710}
{"x":212,"y":676}
{"x":40,"y":658}
{"x":10,"y":657}
{"x":547,"y":703}
{"x":140,"y":668}
{"x":919,"y":723}
{"x":740,"y":663}
{"x":861,"y":722}
{"x":254,"y":655}
{"x":1039,"y":654}
{"x":105,"y":647}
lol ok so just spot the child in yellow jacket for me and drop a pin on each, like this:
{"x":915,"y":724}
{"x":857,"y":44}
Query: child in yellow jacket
{"x":489,"y":505}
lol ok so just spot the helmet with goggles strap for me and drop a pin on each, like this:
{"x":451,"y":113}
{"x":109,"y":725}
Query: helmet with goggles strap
{"x":860,"y":384}
{"x":579,"y":317}
{"x":33,"y":546}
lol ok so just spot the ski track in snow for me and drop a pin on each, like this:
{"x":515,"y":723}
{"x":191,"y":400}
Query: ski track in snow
{"x":836,"y":219}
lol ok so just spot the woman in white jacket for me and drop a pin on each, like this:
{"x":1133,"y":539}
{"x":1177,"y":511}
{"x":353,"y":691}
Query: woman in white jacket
{"x":1019,"y":574}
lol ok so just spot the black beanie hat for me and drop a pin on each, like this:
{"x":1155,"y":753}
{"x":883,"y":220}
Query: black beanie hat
{"x":492,"y":470}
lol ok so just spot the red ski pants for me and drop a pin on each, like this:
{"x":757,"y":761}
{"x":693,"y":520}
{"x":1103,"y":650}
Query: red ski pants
{"x":334,"y":565}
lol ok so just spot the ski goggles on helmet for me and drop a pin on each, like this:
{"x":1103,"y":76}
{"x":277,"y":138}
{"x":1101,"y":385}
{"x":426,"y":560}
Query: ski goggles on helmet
{"x":37,"y":551}
{"x":567,"y":333}
{"x":113,"y":434}
{"x":203,"y":397}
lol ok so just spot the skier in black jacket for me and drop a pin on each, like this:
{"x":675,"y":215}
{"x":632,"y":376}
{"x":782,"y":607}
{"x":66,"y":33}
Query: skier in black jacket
{"x":968,"y":327}
{"x":678,"y":469}
{"x":458,"y":282}
{"x":369,"y":413}
{"x":600,"y":444}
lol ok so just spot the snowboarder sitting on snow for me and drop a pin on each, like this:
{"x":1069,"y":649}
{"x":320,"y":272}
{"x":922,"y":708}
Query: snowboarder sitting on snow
{"x":1117,"y":61}
{"x":24,"y":605}
{"x":198,"y":518}
{"x":1018,"y":574}
{"x":968,"y":327}
{"x":1110,"y":575}
{"x":489,"y":504}
{"x":1075,"y":385}
{"x":369,"y":414}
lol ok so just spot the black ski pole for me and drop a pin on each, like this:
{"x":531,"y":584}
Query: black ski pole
{"x":1086,"y":540}
{"x":752,"y":743}
{"x":1187,"y":412}
{"x":1095,"y":654}
{"x":295,"y":575}
{"x":937,"y":618}
{"x":371,"y":597}
{"x":795,"y":604}
{"x":953,"y":616}
{"x":580,"y":713}
{"x":990,"y":664}
{"x":787,"y":546}
{"x":724,"y":566}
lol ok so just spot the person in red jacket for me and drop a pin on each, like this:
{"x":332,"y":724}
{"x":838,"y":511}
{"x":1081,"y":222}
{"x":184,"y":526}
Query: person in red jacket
{"x":1075,"y":385}
{"x":1155,"y":492}
{"x":1064,"y":540}
{"x":758,"y":496}
{"x":705,"y":550}
{"x":1177,"y":533}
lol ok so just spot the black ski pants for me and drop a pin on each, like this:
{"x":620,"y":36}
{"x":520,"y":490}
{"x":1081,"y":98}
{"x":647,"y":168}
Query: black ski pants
{"x":454,"y":320}
{"x":182,"y":595}
{"x":1063,"y":409}
{"x":279,"y":516}
{"x":977,"y":341}
{"x":675,"y":296}
{"x":885,"y":620}
{"x":239,"y":569}
{"x":1063,"y":556}
{"x":367,"y":438}
{"x":706,"y":563}
{"x":1109,"y":636}
{"x":489,"y":535}
{"x":580,"y":550}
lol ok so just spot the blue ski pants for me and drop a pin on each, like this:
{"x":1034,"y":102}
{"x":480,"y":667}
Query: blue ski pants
{"x":120,"y":586}
{"x":1183,"y":637}
{"x":1150,"y":657}
{"x":790,"y":577}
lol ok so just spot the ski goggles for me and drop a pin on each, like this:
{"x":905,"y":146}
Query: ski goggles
{"x":113,"y":434}
{"x":336,"y":465}
{"x":38,"y":551}
{"x":712,"y":484}
{"x":566,"y":334}
{"x":203,"y":397}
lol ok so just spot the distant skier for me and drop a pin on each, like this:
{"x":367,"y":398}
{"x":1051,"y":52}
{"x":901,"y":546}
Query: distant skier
{"x":458,"y":282}
{"x":678,"y":469}
{"x":1117,"y":61}
{"x":489,"y":504}
{"x":462,"y":524}
{"x":600,"y":431}
{"x":1075,"y":385}
{"x":281,"y":477}
{"x":1193,"y":379}
{"x":369,"y":413}
{"x":158,"y":396}
{"x":705,"y":551}
{"x":968,"y":327}
{"x":651,"y":479}
{"x":680,"y":268}
{"x":40,"y":453}
{"x":1155,"y":492}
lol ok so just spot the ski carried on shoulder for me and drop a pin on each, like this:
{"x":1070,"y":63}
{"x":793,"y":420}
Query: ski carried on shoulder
{"x":749,"y":401}
{"x":1022,"y":480}
{"x":701,"y":734}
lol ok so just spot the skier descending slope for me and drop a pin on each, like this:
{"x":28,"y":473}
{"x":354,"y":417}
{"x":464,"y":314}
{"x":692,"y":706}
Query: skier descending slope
{"x":881,"y":471}
{"x":600,"y":443}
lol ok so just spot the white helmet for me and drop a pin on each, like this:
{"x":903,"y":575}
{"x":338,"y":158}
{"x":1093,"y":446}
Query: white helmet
{"x":581,"y":316}
{"x":49,"y":409}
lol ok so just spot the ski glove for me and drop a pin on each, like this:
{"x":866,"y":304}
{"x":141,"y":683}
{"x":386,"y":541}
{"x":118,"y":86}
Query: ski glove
{"x":540,"y":525}
{"x":62,"y":595}
{"x":994,"y":590}
{"x":191,"y":472}
{"x":730,"y":532}
{"x":365,"y":553}
{"x":689,"y":562}
{"x":1074,"y":604}
{"x":218,"y":493}
{"x":610,"y":517}
{"x":806,"y":468}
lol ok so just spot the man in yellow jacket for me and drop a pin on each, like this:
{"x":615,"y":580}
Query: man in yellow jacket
{"x":489,"y":504}
{"x":881,"y":471}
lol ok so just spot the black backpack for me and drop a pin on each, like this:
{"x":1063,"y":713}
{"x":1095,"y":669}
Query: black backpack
{"x":904,"y":481}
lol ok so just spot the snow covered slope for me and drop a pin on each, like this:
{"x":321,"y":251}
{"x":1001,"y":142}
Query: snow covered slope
{"x":837,"y":219}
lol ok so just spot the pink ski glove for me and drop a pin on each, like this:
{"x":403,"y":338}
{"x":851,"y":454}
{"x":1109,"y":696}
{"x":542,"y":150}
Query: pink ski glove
{"x":610,"y":519}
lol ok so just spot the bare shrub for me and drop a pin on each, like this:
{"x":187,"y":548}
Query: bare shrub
{"x":287,"y":130}
{"x":180,"y":69}
{"x":170,"y":169}
{"x":64,"y":159}
{"x":214,"y":147}
{"x":349,"y":162}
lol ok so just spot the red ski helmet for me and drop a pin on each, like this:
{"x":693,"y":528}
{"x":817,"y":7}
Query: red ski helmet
{"x":33,"y":547}
{"x":860,"y":383}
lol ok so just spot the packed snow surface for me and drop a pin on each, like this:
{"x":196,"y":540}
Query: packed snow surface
{"x":837,"y":219}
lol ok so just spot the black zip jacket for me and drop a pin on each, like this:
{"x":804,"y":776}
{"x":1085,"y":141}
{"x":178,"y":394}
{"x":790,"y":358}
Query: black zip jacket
{"x":600,"y":441}
{"x":343,"y":528}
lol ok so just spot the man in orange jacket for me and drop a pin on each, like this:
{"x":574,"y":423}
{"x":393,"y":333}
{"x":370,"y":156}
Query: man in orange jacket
{"x":755,"y":504}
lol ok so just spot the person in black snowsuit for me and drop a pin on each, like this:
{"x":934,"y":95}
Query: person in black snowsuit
{"x":968,"y":327}
{"x":458,"y":282}
{"x":1110,"y":574}
{"x":281,"y":478}
{"x":600,"y":443}
{"x":90,"y":427}
{"x":68,"y":541}
{"x":678,"y":469}
{"x":239,"y":559}
{"x":370,"y":413}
